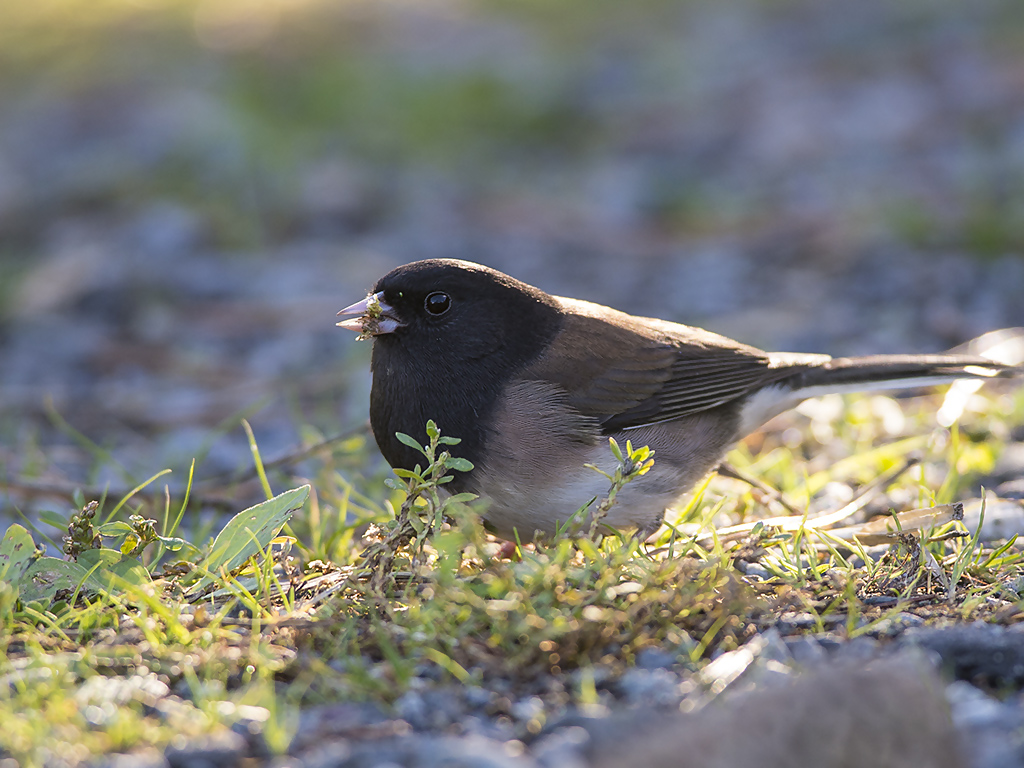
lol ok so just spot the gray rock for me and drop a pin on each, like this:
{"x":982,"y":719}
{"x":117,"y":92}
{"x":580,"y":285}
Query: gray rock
{"x":651,"y":687}
{"x":979,"y":653}
{"x":762,"y":658}
{"x":890,"y":715}
{"x":563,"y":748}
{"x":655,"y":658}
{"x":806,"y":650}
{"x":422,"y":752}
{"x":1011,"y":489}
{"x":989,"y":728}
{"x":860,"y":649}
{"x":1010,"y":465}
{"x":220,"y":750}
{"x":150,"y":758}
{"x":893,"y":626}
{"x":433,"y":709}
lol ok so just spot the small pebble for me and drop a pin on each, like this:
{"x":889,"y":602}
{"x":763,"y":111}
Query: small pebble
{"x":655,"y":658}
{"x":219,"y":750}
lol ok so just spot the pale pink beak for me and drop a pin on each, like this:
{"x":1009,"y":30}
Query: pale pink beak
{"x":373,"y":317}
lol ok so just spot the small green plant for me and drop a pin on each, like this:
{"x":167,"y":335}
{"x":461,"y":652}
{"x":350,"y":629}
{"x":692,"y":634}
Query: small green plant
{"x":630,"y":465}
{"x":94,"y":569}
{"x":82,"y":535}
{"x":226,"y":620}
{"x":424,"y":509}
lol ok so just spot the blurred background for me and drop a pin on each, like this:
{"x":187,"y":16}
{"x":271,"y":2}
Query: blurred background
{"x":190,"y":189}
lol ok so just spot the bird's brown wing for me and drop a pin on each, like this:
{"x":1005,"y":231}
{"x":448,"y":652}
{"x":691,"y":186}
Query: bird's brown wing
{"x":627,"y":371}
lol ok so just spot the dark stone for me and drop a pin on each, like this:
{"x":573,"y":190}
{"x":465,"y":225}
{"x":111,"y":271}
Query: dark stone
{"x":988,"y":656}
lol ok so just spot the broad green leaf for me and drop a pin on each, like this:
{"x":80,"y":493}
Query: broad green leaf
{"x":113,"y":567}
{"x":17,"y":550}
{"x":132,"y":571}
{"x":462,"y":498}
{"x":48,"y":574}
{"x":404,"y":439}
{"x":115,"y":528}
{"x":174,"y":543}
{"x":247,"y":533}
{"x":460,"y":465}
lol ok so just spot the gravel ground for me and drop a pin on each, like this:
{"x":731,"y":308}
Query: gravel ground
{"x":806,"y":177}
{"x":776,"y":701}
{"x":174,"y":243}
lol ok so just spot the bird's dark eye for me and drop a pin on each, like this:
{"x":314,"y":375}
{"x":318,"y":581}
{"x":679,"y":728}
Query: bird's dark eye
{"x":438,"y":303}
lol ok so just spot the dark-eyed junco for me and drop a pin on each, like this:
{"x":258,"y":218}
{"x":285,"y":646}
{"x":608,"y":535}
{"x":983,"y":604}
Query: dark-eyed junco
{"x":534,"y":384}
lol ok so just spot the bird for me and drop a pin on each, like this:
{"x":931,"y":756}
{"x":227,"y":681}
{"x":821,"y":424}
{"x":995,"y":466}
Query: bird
{"x":534,"y":385}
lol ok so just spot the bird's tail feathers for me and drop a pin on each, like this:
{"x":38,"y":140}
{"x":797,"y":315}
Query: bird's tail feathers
{"x":848,"y":374}
{"x":999,"y":354}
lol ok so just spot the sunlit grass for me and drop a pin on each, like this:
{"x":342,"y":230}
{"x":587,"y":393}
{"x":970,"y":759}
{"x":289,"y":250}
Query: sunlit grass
{"x":560,"y":610}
